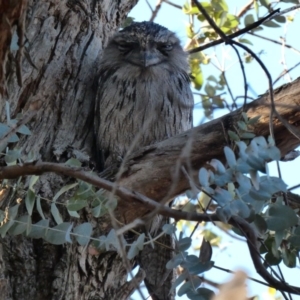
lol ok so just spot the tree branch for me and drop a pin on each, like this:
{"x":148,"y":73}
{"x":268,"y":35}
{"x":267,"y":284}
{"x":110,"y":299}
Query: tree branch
{"x":38,"y":168}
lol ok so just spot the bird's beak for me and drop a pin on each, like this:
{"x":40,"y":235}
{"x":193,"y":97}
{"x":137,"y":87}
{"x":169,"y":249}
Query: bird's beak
{"x":144,"y":58}
{"x":148,"y":58}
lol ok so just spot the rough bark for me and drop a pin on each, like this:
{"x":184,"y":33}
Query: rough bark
{"x":61,"y":50}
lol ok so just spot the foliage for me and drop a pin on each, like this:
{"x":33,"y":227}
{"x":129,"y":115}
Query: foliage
{"x":9,"y":135}
{"x":212,"y":89}
{"x":235,"y":189}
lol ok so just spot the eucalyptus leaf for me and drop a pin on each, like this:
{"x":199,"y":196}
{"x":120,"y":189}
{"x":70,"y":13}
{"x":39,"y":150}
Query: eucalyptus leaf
{"x":12,"y":156}
{"x":271,"y":24}
{"x":32,"y":181}
{"x":249,"y":19}
{"x":140,"y":241}
{"x":222,"y":196}
{"x":169,"y":229}
{"x":68,"y":234}
{"x":204,"y":293}
{"x":73,"y":162}
{"x":261,"y":141}
{"x":206,"y":251}
{"x":63,"y":190}
{"x":5,"y":227}
{"x":189,"y":286}
{"x":4,"y":129}
{"x":280,"y":217}
{"x":23,"y":129}
{"x":264,"y":3}
{"x":242,"y":166}
{"x":291,"y":1}
{"x":224,"y":213}
{"x":39,"y":207}
{"x":190,"y":261}
{"x":20,"y":225}
{"x":254,"y":178}
{"x":223,"y":179}
{"x":260,"y":224}
{"x":272,"y":185}
{"x":183,"y":276}
{"x":29,"y":201}
{"x":259,"y":195}
{"x":99,"y":211}
{"x":75,"y":204}
{"x":210,"y":90}
{"x":289,"y":257}
{"x":295,"y":240}
{"x":200,"y":267}
{"x":273,"y":153}
{"x":136,"y":247}
{"x":58,"y":234}
{"x":272,"y":260}
{"x":184,"y":243}
{"x":279,"y":235}
{"x":242,"y":149}
{"x":218,"y":166}
{"x":84,"y":231}
{"x":111,"y":204}
{"x":233,"y":136}
{"x":56,"y":214}
{"x":73,"y":214}
{"x":203,"y":177}
{"x":256,"y":163}
{"x":254,"y":120}
{"x":242,"y":125}
{"x":243,"y":181}
{"x":175,"y":261}
{"x":247,"y":135}
{"x":240,"y":208}
{"x":39,"y":229}
{"x":245,"y":41}
{"x":230,"y":157}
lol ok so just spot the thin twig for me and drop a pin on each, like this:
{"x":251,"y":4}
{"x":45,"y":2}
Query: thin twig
{"x":156,"y":10}
{"x":274,"y":41}
{"x":172,"y":4}
{"x":235,"y":34}
{"x":288,"y":70}
{"x":149,"y":5}
{"x":244,"y":9}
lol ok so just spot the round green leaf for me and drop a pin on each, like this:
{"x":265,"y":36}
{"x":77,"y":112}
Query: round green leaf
{"x":280,"y":217}
{"x":84,"y":231}
{"x":58,"y":234}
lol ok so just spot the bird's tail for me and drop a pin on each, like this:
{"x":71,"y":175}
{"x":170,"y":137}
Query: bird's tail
{"x":153,"y":261}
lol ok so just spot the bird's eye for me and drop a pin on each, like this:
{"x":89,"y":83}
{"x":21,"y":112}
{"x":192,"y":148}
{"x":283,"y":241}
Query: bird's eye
{"x":166,"y":47}
{"x":125,"y":47}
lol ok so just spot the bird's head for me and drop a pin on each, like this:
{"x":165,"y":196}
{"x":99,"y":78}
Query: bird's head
{"x":145,"y":45}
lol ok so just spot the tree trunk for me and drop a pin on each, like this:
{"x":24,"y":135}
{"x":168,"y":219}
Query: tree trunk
{"x":61,"y":50}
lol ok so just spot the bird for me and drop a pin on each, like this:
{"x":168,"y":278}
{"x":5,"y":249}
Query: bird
{"x":143,"y":97}
{"x":143,"y":93}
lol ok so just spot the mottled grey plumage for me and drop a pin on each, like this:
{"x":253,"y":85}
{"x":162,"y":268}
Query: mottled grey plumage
{"x":143,"y":97}
{"x":144,"y":94}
